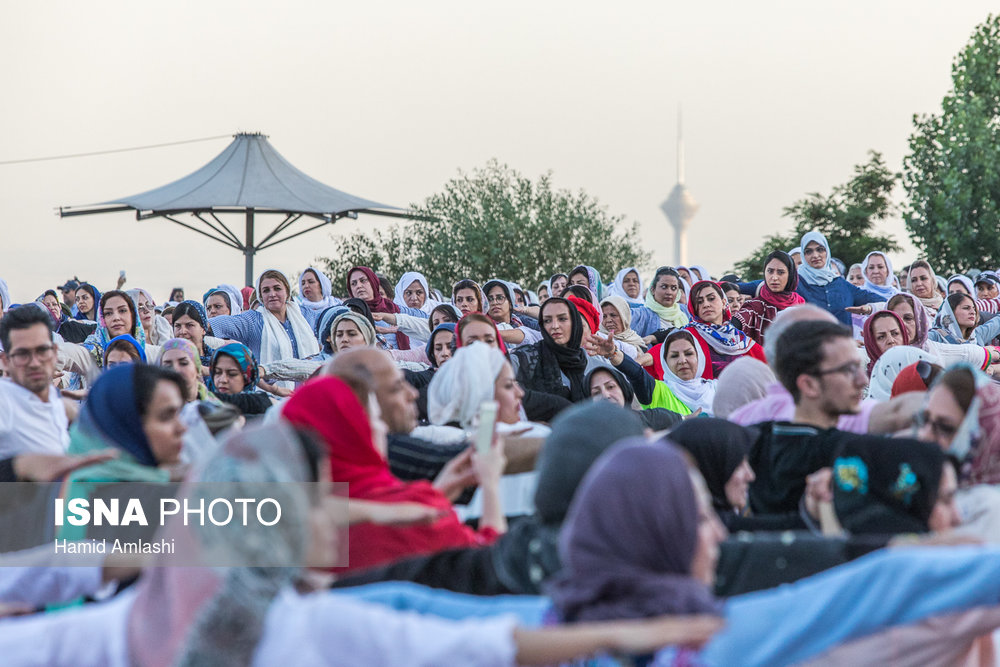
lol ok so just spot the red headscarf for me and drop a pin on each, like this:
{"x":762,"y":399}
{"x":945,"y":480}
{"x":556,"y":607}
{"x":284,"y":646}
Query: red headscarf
{"x":587,"y":312}
{"x":379,"y":303}
{"x":328,"y":407}
{"x":871,"y":347}
{"x":480,"y":318}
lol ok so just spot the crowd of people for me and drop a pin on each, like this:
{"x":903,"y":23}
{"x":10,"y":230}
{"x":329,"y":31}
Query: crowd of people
{"x":796,"y":467}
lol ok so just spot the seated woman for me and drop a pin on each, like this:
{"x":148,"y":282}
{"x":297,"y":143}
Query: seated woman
{"x":354,"y":435}
{"x":324,"y":327}
{"x":87,"y":299}
{"x":135,"y":409}
{"x":776,"y":293}
{"x":921,"y":282}
{"x":628,"y":285}
{"x":276,"y":329}
{"x":362,"y":283}
{"x":156,"y":327}
{"x":917,"y":322}
{"x":233,"y":377}
{"x":589,"y":278}
{"x":616,"y":321}
{"x":883,"y":331}
{"x":557,"y":364}
{"x":413,"y":291}
{"x":181,"y":356}
{"x":123,"y":350}
{"x":682,"y":387}
{"x":820,"y":284}
{"x":223,"y":300}
{"x":609,"y":384}
{"x":957,"y":322}
{"x":419,"y":328}
{"x":961,"y":284}
{"x":315,"y":294}
{"x":720,"y":341}
{"x":190,"y":322}
{"x":500,"y":300}
{"x":468,"y":297}
{"x":478,"y":373}
{"x":662,"y":307}
{"x":439,"y":350}
{"x":117,"y":316}
{"x":877,"y":269}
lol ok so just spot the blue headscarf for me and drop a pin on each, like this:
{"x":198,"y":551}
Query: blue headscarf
{"x":242,"y":355}
{"x":97,"y":301}
{"x":131,"y":341}
{"x":325,"y":323}
{"x":111,"y":413}
{"x":444,"y":326}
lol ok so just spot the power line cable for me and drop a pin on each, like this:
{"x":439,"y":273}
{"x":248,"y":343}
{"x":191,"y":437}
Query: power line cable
{"x":116,"y":150}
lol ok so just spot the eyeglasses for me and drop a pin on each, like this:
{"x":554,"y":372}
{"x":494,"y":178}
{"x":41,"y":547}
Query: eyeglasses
{"x":496,"y":298}
{"x":813,"y":251}
{"x":940,"y":428}
{"x":848,"y":370}
{"x":22,"y":357}
{"x":144,"y":308}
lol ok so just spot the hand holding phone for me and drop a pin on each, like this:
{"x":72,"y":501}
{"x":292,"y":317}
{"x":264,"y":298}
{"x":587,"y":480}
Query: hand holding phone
{"x":487,"y":420}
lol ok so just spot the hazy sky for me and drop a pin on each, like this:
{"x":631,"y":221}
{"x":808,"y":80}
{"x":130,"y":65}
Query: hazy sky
{"x":387,"y":100}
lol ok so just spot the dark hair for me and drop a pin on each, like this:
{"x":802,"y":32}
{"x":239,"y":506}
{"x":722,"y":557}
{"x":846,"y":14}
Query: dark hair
{"x":310,"y":444}
{"x":800,"y":351}
{"x":579,"y":291}
{"x":23,"y":317}
{"x":449,"y":314}
{"x":472,"y":317}
{"x":125,"y":346}
{"x":581,"y":270}
{"x":144,"y":381}
{"x":730,"y":278}
{"x":678,"y":334}
{"x":189,"y":309}
{"x":898,"y":299}
{"x":386,"y":284}
{"x":961,"y":384}
{"x":665,"y":271}
{"x":729,"y":287}
{"x":175,"y":291}
{"x":128,"y":302}
{"x":956,"y":298}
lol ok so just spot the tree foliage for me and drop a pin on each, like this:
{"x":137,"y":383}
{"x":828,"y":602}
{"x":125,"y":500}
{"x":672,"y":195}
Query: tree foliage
{"x":952,"y":174}
{"x":494,"y":222}
{"x":848,"y":217}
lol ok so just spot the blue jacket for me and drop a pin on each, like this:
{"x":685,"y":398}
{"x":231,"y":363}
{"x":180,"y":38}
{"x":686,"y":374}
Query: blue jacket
{"x":645,"y":322}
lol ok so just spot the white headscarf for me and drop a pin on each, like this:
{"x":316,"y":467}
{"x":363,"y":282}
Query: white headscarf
{"x":618,"y":289}
{"x":235,"y":297}
{"x":274,"y":341}
{"x":461,"y":385}
{"x":886,"y":289}
{"x":888,"y":366}
{"x":160,"y":331}
{"x":823,"y":276}
{"x":625,"y":313}
{"x":4,"y":295}
{"x":328,"y":299}
{"x":746,"y":380}
{"x":965,"y":281}
{"x":702,"y":271}
{"x":696,"y":392}
{"x":408,"y":279}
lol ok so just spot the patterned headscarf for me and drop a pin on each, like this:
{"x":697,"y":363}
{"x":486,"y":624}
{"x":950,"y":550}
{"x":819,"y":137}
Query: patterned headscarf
{"x":192,"y":352}
{"x":242,"y":355}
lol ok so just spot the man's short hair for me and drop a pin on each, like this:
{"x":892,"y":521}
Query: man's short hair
{"x":800,"y":351}
{"x":23,"y":317}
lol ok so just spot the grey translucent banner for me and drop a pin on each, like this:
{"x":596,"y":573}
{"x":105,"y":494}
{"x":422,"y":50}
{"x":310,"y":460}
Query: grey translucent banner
{"x":195,"y":524}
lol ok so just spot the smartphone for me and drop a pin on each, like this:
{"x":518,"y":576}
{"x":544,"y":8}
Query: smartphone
{"x":121,"y":274}
{"x":487,"y":421}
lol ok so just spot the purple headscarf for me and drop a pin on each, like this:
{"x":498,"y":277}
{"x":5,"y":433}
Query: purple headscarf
{"x":629,"y":539}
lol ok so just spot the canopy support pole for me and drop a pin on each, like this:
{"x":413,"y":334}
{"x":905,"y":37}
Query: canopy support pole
{"x":249,"y":249}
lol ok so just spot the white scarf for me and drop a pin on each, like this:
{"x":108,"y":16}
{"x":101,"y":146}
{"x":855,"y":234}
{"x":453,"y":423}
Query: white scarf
{"x":408,"y":279}
{"x":328,"y":299}
{"x":274,"y":341}
{"x":695,"y":393}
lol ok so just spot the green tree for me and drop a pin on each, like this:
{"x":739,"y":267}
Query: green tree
{"x":848,"y":217}
{"x":494,"y":222}
{"x":952,"y":174}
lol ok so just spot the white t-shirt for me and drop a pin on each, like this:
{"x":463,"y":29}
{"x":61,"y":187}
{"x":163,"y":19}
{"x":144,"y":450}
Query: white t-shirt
{"x":30,"y":425}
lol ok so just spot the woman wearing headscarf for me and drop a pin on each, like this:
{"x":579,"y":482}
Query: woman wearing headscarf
{"x":960,"y":283}
{"x":156,"y":327}
{"x":616,"y":321}
{"x":475,"y":374}
{"x":917,"y":322}
{"x":87,"y":299}
{"x":362,"y":283}
{"x":190,"y":321}
{"x":544,"y":291}
{"x":134,"y":409}
{"x":315,"y":294}
{"x":419,"y":328}
{"x":720,"y":341}
{"x":50,"y":300}
{"x":889,"y":486}
{"x":275,"y":329}
{"x":181,"y":356}
{"x":224,"y":300}
{"x":609,"y":384}
{"x":957,"y":322}
{"x":819,"y":283}
{"x":5,"y":301}
{"x":719,"y":449}
{"x":514,"y":328}
{"x":556,"y":364}
{"x":117,"y":316}
{"x":557,"y":284}
{"x":324,"y":327}
{"x":329,"y":407}
{"x":413,"y":291}
{"x":878,"y":275}
{"x":628,"y":285}
{"x":921,"y":282}
{"x":589,"y":277}
{"x":662,"y":307}
{"x":776,"y":293}
{"x":883,"y":331}
{"x":438,"y":350}
{"x":123,"y":350}
{"x":233,"y":377}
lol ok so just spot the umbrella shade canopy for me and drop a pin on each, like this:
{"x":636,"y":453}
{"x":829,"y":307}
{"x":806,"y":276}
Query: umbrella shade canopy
{"x":248,"y":177}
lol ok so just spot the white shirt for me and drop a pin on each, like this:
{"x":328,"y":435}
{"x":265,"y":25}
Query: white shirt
{"x":30,"y":425}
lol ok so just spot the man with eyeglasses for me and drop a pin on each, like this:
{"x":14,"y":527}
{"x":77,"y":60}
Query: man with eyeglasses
{"x":32,"y":415}
{"x":817,"y":362}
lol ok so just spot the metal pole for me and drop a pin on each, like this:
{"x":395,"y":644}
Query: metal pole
{"x":249,"y":250}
